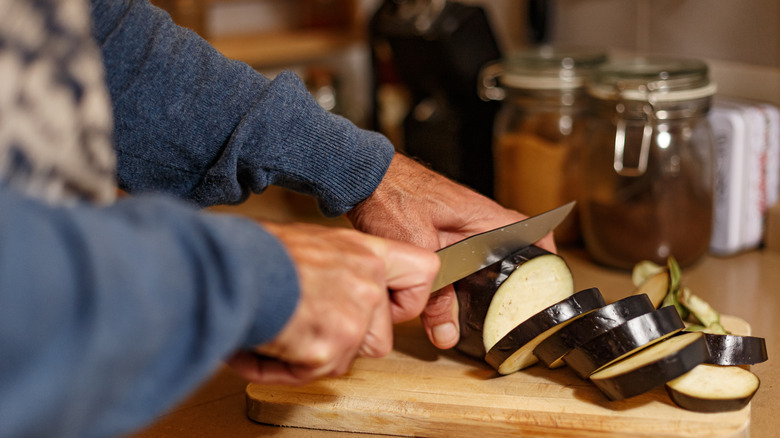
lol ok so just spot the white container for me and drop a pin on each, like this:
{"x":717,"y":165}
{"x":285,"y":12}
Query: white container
{"x":747,"y":142}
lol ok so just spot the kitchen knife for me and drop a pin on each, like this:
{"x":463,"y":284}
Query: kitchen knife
{"x":481,"y":250}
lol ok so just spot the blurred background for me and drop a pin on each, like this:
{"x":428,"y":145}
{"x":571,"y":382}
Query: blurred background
{"x":740,"y":41}
{"x":411,"y":68}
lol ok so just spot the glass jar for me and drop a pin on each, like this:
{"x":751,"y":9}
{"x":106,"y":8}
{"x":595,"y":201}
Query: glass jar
{"x":649,"y":163}
{"x":539,"y":127}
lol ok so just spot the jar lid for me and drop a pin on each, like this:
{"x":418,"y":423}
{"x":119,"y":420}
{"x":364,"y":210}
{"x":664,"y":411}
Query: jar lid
{"x":652,"y":79}
{"x":544,"y":68}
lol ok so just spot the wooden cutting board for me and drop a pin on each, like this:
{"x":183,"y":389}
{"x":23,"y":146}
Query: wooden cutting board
{"x":419,"y":390}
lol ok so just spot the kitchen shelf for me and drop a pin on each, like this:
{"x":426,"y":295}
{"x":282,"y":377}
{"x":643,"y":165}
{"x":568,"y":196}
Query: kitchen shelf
{"x":322,"y":29}
{"x":286,"y":47}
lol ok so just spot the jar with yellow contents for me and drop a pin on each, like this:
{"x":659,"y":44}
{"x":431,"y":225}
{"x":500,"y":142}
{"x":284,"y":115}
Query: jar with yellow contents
{"x":540,"y":128}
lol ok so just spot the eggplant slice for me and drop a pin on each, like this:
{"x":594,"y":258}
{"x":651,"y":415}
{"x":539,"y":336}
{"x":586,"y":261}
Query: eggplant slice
{"x":623,"y":340}
{"x":655,"y":287}
{"x":652,"y":366}
{"x":713,"y":388}
{"x":552,"y":350}
{"x":514,"y":351}
{"x":736,"y":350}
{"x":497,"y":298}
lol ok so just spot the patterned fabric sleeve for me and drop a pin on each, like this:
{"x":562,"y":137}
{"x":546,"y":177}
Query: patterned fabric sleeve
{"x":55,"y":114}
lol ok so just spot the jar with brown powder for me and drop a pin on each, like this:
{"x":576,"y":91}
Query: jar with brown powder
{"x":540,"y":128}
{"x":648,"y":168}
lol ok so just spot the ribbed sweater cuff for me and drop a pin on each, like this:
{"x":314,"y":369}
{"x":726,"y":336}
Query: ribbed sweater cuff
{"x":319,"y":153}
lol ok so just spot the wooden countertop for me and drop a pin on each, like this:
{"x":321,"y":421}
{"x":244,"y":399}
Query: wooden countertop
{"x":746,"y":286}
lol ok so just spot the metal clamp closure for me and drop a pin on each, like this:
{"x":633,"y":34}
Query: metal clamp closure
{"x":622,"y":135}
{"x":488,"y":82}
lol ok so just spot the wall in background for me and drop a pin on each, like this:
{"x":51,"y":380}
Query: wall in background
{"x":740,"y":40}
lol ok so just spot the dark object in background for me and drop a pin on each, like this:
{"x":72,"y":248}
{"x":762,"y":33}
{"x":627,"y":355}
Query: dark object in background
{"x":437,"y":49}
{"x":538,"y":21}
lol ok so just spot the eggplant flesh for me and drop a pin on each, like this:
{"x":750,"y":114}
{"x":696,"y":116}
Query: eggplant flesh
{"x":514,"y":351}
{"x":623,"y":340}
{"x":552,"y":350}
{"x":534,"y":286}
{"x":713,"y":388}
{"x":652,"y":366}
{"x":655,"y":287}
{"x":736,"y":350}
{"x":539,"y":279}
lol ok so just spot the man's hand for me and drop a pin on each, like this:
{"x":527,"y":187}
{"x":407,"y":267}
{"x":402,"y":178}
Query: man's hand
{"x":353,"y":288}
{"x":416,"y":205}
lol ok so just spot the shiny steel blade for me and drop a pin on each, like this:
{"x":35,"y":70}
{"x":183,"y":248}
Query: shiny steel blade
{"x":481,"y":250}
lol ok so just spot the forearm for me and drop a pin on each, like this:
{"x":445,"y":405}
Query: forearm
{"x":193,"y":123}
{"x":109,"y":316}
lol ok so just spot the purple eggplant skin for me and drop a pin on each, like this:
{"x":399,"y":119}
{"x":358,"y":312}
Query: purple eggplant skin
{"x":475,"y":292}
{"x":654,"y":374}
{"x":557,"y":345}
{"x":736,"y":350}
{"x":581,"y":302}
{"x":697,"y":404}
{"x":627,"y":337}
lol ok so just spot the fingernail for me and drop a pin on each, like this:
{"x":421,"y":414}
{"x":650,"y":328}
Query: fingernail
{"x":445,"y":334}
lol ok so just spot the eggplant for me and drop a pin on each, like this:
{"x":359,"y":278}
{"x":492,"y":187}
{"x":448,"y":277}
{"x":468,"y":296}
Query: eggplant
{"x":655,"y":287}
{"x":701,"y":310}
{"x":735,"y":350}
{"x":713,"y":388}
{"x":665,"y":288}
{"x":552,"y":350}
{"x":643,"y":270}
{"x":514,"y":351}
{"x":623,"y":340}
{"x":652,"y":366}
{"x":495,"y":299}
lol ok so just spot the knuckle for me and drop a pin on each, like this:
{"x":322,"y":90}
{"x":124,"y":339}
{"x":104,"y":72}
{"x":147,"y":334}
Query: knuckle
{"x":352,"y":331}
{"x":321,"y":355}
{"x":440,"y":304}
{"x":374,"y":267}
{"x":369,"y":293}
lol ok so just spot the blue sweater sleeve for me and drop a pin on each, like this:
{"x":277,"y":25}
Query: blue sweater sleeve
{"x":110,"y":315}
{"x":196,"y":124}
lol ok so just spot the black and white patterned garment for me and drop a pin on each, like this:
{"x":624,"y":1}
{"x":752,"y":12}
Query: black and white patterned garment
{"x":55,"y":113}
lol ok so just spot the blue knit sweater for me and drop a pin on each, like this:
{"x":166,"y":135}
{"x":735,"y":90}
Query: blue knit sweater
{"x":110,"y":314}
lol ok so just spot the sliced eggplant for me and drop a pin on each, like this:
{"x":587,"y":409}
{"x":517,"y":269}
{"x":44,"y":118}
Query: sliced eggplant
{"x":497,"y":298}
{"x":735,"y":350}
{"x":623,"y":340}
{"x":672,"y":299}
{"x":514,"y":351}
{"x":643,"y":270}
{"x":552,"y":350}
{"x":713,"y":388}
{"x":701,"y":310}
{"x":652,"y":366}
{"x":656,"y":287}
{"x":675,"y":274}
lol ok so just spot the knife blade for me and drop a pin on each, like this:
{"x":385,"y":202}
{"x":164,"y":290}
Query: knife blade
{"x":473,"y":253}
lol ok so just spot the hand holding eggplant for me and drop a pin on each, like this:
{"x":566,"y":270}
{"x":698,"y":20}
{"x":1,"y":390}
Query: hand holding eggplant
{"x":414,"y":204}
{"x":344,"y":309}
